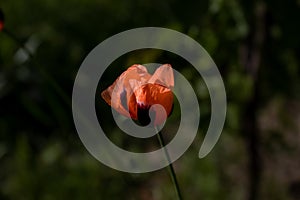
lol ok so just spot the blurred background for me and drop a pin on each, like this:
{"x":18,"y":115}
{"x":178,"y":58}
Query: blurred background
{"x":256,"y":46}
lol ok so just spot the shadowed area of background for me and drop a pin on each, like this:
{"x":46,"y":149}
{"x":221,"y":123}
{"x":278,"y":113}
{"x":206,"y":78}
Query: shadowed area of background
{"x":256,"y":46}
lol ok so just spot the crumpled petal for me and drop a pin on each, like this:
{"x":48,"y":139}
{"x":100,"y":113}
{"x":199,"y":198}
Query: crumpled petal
{"x":163,"y":76}
{"x":135,"y":91}
{"x":123,"y":101}
{"x":151,"y":94}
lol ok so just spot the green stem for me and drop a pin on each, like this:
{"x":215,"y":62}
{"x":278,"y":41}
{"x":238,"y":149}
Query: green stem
{"x":170,"y":166}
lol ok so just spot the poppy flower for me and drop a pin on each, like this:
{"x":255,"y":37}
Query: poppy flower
{"x":1,"y":20}
{"x":135,"y":91}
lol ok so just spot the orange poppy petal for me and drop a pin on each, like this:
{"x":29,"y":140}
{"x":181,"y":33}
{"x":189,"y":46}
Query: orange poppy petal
{"x":123,"y":89}
{"x":135,"y":91}
{"x":151,"y":94}
{"x":163,"y":76}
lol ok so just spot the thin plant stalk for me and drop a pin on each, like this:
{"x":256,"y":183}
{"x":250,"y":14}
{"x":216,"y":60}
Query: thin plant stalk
{"x":170,"y":166}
